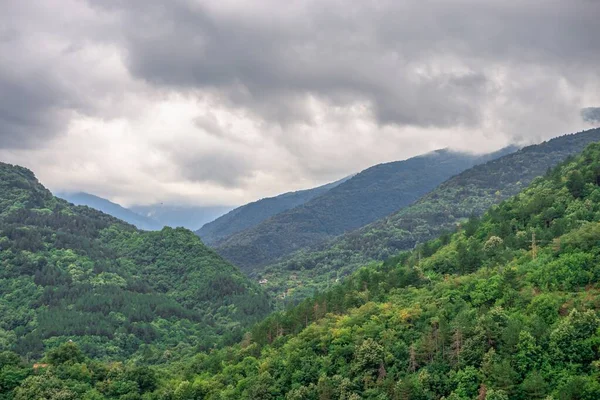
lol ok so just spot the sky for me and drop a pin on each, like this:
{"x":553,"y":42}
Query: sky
{"x":222,"y":102}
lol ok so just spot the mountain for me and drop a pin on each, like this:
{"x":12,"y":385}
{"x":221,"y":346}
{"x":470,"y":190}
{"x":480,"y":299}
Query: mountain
{"x":250,"y":215}
{"x":364,"y":198}
{"x":74,"y":273}
{"x":110,"y":208}
{"x":190,"y":217}
{"x":150,"y":218}
{"x":469,"y":193}
{"x":504,"y":308}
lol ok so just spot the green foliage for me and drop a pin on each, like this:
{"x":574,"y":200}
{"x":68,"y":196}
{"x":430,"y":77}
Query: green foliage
{"x":72,"y":273}
{"x":425,"y":326}
{"x":66,"y":353}
{"x":420,"y":326}
{"x":71,"y":375}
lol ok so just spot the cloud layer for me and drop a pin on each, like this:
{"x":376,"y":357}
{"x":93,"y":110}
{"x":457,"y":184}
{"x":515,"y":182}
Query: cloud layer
{"x":222,"y":102}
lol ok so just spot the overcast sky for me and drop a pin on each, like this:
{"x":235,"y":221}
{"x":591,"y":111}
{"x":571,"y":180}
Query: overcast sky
{"x":226,"y":101}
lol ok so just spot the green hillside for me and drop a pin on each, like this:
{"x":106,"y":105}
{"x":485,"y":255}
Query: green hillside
{"x":505,"y":308}
{"x":470,"y":193}
{"x":73,"y":273}
{"x":252,"y":214}
{"x":366,"y":197}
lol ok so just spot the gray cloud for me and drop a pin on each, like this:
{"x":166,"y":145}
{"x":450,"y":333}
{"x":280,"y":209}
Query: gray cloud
{"x":32,"y":105}
{"x":591,"y":114}
{"x":416,"y":64}
{"x":28,"y":111}
{"x":210,"y":124}
{"x":50,"y":72}
{"x":223,"y":168}
{"x":160,"y":100}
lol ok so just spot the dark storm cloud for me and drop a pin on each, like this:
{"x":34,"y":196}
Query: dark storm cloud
{"x":426,"y":64}
{"x":591,"y":115}
{"x":43,"y":82}
{"x":30,"y":104}
{"x":29,"y":111}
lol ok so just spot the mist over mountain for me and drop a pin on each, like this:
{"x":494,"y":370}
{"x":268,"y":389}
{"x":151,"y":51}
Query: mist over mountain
{"x":116,"y":210}
{"x":190,"y":217}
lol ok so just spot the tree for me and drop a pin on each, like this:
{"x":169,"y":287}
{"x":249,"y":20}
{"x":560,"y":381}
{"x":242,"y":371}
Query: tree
{"x":576,"y":184}
{"x":574,"y":339}
{"x":47,"y":387}
{"x":66,"y":353}
{"x":528,"y":357}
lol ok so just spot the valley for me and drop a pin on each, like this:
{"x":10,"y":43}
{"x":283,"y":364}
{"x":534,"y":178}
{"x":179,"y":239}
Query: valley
{"x":306,"y":200}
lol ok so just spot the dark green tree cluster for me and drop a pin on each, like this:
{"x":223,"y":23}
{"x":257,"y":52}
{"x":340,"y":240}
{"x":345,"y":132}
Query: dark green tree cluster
{"x":66,"y":373}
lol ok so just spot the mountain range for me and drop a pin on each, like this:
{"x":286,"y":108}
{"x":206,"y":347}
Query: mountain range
{"x":116,"y":210}
{"x":190,"y":217}
{"x":150,"y":217}
{"x":252,"y":214}
{"x":505,"y":306}
{"x":362,"y":199}
{"x":467,"y":194}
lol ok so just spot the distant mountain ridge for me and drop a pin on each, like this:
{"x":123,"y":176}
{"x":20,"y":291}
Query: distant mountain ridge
{"x":110,"y":208}
{"x":252,"y":214}
{"x":151,"y":217}
{"x":190,"y":217}
{"x":366,"y":197}
{"x":471,"y":192}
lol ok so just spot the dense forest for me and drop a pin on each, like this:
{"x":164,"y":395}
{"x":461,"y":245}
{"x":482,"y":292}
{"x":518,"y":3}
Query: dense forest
{"x":366,"y":197}
{"x":252,"y":214}
{"x":72,"y":273}
{"x":504,"y":308}
{"x":468,"y":194}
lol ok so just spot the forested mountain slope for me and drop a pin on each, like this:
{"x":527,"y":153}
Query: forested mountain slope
{"x":71,"y":272}
{"x":110,"y":208}
{"x":469,"y":193}
{"x":506,"y":308}
{"x":252,"y":214}
{"x":366,"y":197}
